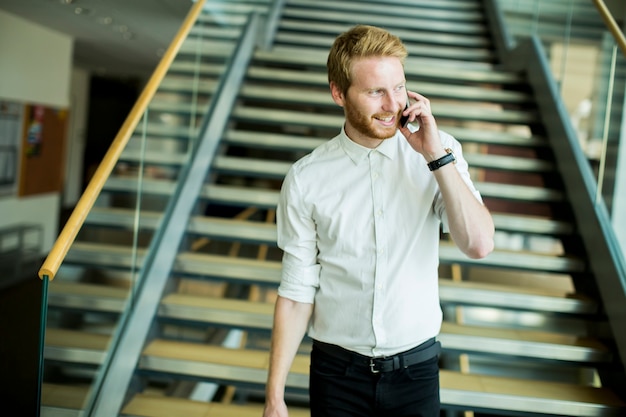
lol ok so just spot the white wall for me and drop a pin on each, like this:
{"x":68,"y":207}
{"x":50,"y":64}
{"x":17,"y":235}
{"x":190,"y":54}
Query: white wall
{"x":36,"y":62}
{"x":35,"y":68}
{"x":42,"y":209}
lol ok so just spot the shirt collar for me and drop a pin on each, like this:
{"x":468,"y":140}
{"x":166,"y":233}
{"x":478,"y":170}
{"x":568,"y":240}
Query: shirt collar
{"x":358,"y":152}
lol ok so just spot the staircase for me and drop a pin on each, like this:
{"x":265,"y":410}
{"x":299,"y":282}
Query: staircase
{"x":524,"y":329}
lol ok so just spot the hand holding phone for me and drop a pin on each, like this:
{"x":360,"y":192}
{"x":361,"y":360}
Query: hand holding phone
{"x":404,"y":120}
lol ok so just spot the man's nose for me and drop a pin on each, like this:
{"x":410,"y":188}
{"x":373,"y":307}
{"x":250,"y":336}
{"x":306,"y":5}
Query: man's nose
{"x":390,"y":104}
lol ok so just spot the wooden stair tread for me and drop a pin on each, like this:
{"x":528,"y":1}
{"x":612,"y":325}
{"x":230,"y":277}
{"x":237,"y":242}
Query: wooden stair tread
{"x":218,"y":303}
{"x":64,"y":396}
{"x":77,"y":339}
{"x":88,"y":290}
{"x":552,"y":391}
{"x":256,"y":359}
{"x":520,"y":335}
{"x":146,"y":405}
{"x":503,"y":288}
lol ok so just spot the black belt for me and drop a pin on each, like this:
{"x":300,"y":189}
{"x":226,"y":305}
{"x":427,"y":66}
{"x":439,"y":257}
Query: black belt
{"x":418,"y":354}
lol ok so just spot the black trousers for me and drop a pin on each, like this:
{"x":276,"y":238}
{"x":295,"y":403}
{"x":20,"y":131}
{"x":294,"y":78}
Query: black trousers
{"x":340,"y":387}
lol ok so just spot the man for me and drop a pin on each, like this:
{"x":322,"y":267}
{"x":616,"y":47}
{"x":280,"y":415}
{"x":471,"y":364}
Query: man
{"x":359,"y":221}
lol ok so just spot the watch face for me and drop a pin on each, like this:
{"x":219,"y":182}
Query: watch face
{"x":451,"y":152}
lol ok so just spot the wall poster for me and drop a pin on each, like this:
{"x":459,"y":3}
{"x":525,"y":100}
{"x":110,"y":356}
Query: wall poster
{"x":42,"y":159}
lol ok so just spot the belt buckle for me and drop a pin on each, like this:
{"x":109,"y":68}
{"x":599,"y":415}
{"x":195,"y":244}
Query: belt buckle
{"x":373,"y":366}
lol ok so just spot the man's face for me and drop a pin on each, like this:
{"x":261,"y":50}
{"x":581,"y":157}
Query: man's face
{"x":375,"y":100}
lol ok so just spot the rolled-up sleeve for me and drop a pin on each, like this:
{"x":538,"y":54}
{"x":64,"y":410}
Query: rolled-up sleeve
{"x":297,"y":238}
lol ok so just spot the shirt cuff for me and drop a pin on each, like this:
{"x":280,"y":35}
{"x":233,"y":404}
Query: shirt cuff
{"x":299,"y":283}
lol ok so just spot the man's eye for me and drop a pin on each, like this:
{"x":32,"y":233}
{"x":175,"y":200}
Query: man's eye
{"x":399,"y":89}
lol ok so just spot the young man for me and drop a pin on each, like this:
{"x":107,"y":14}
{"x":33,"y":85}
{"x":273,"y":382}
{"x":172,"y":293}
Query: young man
{"x":359,"y":221}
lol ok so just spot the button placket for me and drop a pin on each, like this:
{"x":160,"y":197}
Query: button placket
{"x":377,"y":188}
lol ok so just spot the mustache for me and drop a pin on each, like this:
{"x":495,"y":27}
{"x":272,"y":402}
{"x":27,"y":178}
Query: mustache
{"x":387,"y":114}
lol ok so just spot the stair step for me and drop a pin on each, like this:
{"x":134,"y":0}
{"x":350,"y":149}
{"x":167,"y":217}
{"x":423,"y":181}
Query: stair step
{"x":531,"y":224}
{"x":67,"y":397}
{"x":160,"y":130}
{"x":522,"y":260}
{"x":184,"y":85}
{"x":154,"y":157}
{"x":253,"y":167}
{"x":522,"y":343}
{"x":513,"y":297}
{"x":215,"y":48}
{"x":146,"y":405}
{"x":191,"y":68}
{"x":468,"y":391}
{"x":83,"y":296}
{"x":73,"y":346}
{"x":515,"y":192}
{"x":104,"y":255}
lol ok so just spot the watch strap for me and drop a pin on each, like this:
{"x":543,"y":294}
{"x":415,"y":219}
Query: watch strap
{"x":444,"y":160}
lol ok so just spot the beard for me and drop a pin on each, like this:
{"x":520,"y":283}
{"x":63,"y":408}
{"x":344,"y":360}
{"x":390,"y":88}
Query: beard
{"x":366,"y":124}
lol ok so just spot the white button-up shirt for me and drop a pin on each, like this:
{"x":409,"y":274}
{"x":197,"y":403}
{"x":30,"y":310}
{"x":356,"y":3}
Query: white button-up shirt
{"x":359,"y":228}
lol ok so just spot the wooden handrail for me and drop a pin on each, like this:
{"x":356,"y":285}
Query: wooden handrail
{"x":62,"y":245}
{"x":612,"y":25}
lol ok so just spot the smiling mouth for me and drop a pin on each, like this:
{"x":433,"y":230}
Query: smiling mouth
{"x":386,"y":120}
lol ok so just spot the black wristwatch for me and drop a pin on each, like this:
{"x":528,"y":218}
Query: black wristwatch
{"x":444,"y":160}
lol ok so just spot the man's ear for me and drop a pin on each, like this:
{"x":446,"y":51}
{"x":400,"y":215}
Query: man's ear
{"x":337,"y":94}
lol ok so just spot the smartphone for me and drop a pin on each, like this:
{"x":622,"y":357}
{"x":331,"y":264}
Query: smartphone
{"x":404,"y":120}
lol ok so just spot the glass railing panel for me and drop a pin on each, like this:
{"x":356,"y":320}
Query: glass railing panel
{"x":92,"y":294}
{"x":589,"y":69}
{"x":217,"y":40}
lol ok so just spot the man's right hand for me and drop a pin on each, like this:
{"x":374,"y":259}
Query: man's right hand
{"x":275,"y":410}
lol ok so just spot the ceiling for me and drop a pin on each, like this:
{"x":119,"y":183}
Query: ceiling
{"x":114,"y":37}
